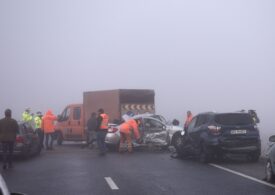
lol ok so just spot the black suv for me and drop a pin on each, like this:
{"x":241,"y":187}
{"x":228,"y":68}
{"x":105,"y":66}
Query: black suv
{"x":212,"y":135}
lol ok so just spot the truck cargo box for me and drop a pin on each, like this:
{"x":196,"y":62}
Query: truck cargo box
{"x":118,"y":102}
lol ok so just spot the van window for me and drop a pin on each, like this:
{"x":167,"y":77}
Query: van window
{"x":234,"y":119}
{"x":66,"y":114}
{"x":77,"y":113}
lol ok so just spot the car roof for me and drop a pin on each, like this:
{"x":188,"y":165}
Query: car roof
{"x":143,"y":115}
{"x":217,"y":113}
{"x":146,"y":116}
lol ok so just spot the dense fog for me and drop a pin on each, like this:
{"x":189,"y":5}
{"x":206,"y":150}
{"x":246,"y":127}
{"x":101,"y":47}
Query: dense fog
{"x":197,"y":55}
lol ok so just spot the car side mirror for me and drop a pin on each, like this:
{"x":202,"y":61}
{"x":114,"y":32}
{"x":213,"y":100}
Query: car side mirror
{"x":272,"y":138}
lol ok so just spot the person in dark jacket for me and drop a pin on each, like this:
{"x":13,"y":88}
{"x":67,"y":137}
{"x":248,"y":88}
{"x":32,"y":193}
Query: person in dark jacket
{"x":8,"y":129}
{"x":91,"y":130}
{"x":102,"y":129}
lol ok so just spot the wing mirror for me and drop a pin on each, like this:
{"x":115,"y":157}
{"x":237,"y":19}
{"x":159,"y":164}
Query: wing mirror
{"x":272,"y":138}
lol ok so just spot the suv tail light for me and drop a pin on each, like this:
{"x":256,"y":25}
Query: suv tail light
{"x":215,"y":130}
{"x":112,"y":130}
{"x":19,"y":139}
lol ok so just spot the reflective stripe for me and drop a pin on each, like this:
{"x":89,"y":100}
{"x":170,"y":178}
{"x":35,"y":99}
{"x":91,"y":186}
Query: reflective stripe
{"x":105,"y":121}
{"x":38,"y":122}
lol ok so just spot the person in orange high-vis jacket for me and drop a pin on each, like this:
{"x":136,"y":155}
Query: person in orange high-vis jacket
{"x":48,"y":128}
{"x":125,"y":130}
{"x":101,"y":131}
{"x":188,"y":119}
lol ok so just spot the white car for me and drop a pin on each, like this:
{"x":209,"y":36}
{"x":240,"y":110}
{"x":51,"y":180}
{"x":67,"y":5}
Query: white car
{"x":153,"y":130}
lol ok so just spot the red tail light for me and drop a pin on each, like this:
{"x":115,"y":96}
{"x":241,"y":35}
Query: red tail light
{"x":112,"y":130}
{"x":215,"y":130}
{"x":19,"y":139}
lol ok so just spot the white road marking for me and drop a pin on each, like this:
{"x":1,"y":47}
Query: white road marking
{"x":111,"y":183}
{"x":243,"y":175}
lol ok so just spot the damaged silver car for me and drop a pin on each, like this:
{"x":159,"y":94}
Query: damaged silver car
{"x":154,"y":132}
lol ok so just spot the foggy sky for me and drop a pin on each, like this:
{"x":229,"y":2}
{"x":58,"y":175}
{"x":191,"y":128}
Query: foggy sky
{"x":202,"y":55}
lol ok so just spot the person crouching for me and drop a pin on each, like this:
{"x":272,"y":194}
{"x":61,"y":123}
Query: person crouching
{"x":125,"y":130}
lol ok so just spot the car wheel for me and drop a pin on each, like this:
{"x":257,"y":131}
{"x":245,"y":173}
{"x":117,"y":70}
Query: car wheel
{"x":178,"y":143}
{"x":204,"y":154}
{"x":269,"y":172}
{"x":59,"y":138}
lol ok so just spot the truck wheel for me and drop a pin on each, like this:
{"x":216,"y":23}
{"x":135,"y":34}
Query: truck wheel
{"x":59,"y":138}
{"x":270,"y":177}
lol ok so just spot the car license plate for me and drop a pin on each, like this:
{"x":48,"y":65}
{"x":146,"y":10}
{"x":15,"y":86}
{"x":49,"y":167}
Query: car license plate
{"x":234,"y":132}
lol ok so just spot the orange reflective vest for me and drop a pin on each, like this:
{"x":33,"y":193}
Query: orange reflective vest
{"x":188,"y":120}
{"x":105,"y":121}
{"x":48,"y":122}
{"x":128,"y":126}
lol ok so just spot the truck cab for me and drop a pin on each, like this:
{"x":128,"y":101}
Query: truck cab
{"x":70,"y":125}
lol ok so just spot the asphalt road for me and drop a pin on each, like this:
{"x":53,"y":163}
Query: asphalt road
{"x":70,"y":170}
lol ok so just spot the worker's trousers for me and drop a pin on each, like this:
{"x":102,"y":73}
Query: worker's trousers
{"x":8,"y":147}
{"x":125,"y":138}
{"x":100,"y":138}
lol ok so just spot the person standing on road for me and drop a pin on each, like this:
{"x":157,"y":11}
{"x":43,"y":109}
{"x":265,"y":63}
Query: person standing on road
{"x":38,"y":129}
{"x":91,"y":130}
{"x":26,"y":116}
{"x":8,"y":129}
{"x":125,"y":130}
{"x":188,"y":119}
{"x":102,"y":129}
{"x":48,"y":127}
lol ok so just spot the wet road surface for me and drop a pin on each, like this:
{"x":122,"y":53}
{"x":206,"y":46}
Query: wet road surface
{"x":70,"y":170}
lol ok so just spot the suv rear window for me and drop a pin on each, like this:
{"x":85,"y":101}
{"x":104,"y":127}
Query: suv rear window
{"x":233,"y":119}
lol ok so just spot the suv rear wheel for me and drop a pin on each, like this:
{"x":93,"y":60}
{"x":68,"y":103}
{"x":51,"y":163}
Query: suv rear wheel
{"x":204,"y":154}
{"x":270,"y":177}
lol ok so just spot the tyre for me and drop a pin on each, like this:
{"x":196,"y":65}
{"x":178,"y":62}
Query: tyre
{"x":205,"y":155}
{"x":270,"y":177}
{"x":178,"y":143}
{"x":59,"y":138}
